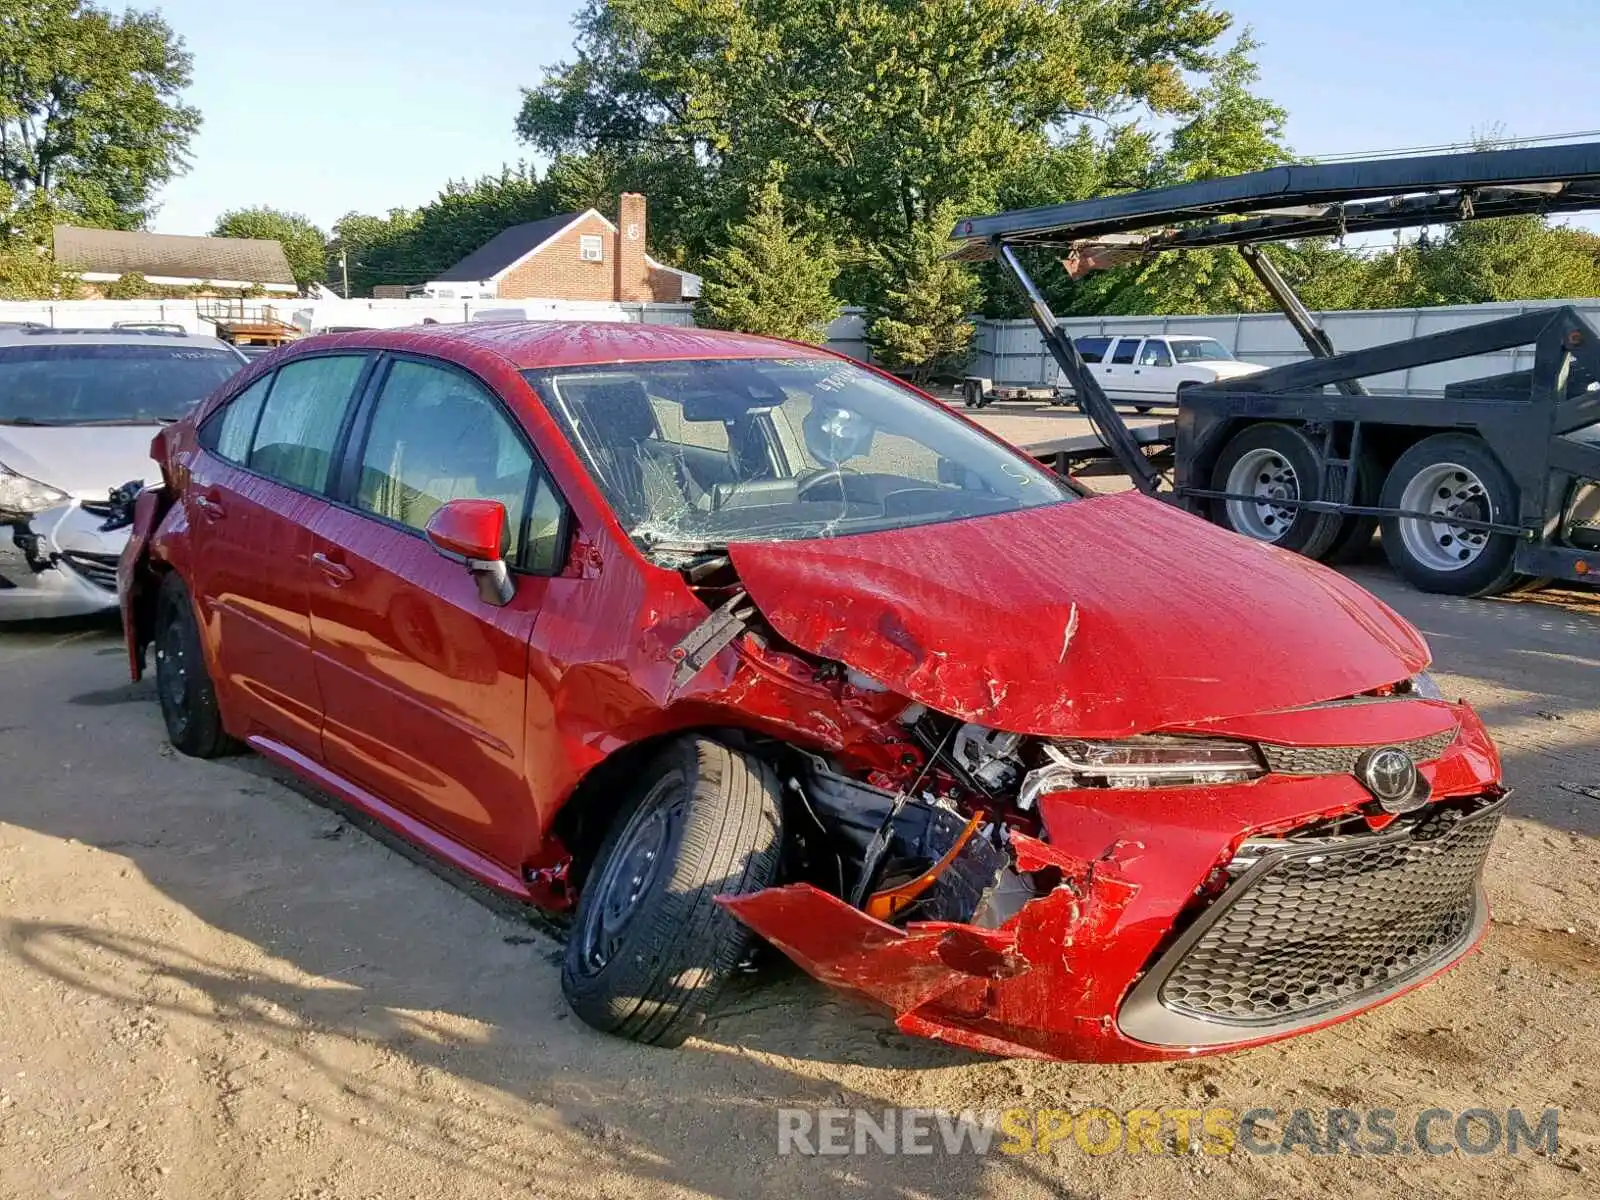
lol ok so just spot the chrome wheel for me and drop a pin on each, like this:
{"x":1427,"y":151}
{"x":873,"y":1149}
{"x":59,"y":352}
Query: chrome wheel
{"x":1271,"y":479}
{"x":628,"y":875}
{"x":1451,"y":492}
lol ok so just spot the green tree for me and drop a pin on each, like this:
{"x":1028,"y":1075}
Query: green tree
{"x":770,"y":278}
{"x":91,"y":120}
{"x":878,"y":110}
{"x":1512,"y":258}
{"x":303,"y":243}
{"x":1230,"y":131}
{"x":921,"y":322}
{"x":411,"y":246}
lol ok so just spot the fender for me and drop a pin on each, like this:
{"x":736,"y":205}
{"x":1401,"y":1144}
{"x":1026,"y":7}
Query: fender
{"x":138,"y":580}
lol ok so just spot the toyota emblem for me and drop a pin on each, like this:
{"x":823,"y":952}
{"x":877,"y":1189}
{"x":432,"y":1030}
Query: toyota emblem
{"x":1390,"y":774}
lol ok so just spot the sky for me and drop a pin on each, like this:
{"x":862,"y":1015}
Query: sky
{"x":361,"y":105}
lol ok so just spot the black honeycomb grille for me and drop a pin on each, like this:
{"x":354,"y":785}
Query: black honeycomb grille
{"x":1312,"y":929}
{"x":1341,"y":760}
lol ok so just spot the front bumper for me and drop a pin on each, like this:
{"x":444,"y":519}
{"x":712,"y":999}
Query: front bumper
{"x":1129,"y":884}
{"x":69,"y":570}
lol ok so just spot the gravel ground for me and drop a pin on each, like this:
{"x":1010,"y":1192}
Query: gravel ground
{"x":213,"y":985}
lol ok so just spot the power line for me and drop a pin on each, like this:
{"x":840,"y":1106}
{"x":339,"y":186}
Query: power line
{"x":1447,"y":147}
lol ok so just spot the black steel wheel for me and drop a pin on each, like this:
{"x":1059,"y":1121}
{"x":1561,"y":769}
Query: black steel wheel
{"x":650,"y":948}
{"x":183,"y":683}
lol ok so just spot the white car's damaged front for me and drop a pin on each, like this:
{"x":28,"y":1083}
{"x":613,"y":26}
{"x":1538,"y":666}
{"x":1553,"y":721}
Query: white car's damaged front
{"x":77,"y":412}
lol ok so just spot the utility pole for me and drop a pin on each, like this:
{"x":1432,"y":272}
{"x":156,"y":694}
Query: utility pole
{"x":344,"y":272}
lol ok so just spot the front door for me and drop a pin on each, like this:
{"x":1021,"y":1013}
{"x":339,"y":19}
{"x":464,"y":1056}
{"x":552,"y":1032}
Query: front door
{"x":1154,"y":376}
{"x":425,"y":685}
{"x":254,"y":490}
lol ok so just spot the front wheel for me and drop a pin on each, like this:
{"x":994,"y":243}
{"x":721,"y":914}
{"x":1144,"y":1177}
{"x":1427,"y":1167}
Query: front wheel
{"x":1453,"y":476}
{"x":183,"y":684}
{"x":650,"y":947}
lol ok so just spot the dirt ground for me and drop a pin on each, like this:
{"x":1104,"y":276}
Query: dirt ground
{"x":213,"y":986}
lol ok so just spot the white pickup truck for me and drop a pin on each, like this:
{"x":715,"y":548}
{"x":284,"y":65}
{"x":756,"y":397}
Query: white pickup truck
{"x":1145,"y":372}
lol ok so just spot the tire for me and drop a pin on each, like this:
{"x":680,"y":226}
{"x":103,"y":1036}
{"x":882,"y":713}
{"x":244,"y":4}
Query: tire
{"x":183,"y":683}
{"x":1354,"y":537}
{"x":970,"y":395}
{"x":1437,"y":557}
{"x":649,"y":966}
{"x":1273,"y":459}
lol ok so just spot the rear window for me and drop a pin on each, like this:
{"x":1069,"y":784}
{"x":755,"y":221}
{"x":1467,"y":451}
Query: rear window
{"x":1093,"y":349}
{"x":108,"y":385}
{"x":1126,"y":349}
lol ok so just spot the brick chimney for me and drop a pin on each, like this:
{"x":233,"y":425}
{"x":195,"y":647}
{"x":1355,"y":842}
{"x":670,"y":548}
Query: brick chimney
{"x":633,"y":273}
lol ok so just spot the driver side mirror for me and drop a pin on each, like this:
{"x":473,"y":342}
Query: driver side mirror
{"x":473,"y":532}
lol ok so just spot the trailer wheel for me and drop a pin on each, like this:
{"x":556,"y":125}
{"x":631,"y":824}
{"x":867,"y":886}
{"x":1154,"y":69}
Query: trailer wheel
{"x":1273,"y":462}
{"x":1355,"y":533}
{"x":1451,"y":475}
{"x":971,"y":393}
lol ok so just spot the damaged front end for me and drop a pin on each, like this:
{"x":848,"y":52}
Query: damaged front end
{"x":1202,"y":885}
{"x":1183,"y":932}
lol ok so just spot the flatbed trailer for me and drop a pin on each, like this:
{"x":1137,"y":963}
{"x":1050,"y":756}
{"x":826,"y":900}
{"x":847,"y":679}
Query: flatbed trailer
{"x":1494,"y":484}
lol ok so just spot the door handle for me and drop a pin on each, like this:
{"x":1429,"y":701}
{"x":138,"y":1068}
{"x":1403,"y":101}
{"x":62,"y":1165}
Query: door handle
{"x":211,"y":508}
{"x":336,"y":572}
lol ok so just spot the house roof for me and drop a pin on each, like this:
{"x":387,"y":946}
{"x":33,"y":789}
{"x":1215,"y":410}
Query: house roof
{"x":174,"y":256}
{"x":507,"y":248}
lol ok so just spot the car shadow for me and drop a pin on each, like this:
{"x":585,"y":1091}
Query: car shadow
{"x":364,"y":964}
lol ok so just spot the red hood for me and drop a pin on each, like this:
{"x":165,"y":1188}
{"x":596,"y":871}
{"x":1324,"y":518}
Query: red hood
{"x":1099,"y":618}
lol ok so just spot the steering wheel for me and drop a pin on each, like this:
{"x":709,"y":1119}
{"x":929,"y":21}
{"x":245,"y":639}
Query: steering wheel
{"x":821,"y":476}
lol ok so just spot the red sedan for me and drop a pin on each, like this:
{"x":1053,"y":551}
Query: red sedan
{"x":711,"y":636}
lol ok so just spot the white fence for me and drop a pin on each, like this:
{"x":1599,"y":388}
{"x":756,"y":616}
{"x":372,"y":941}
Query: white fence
{"x":324,"y":314}
{"x":1012,"y":352}
{"x":1008,"y":352}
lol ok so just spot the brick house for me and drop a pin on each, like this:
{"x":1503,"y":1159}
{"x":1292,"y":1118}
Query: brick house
{"x":570,"y":256}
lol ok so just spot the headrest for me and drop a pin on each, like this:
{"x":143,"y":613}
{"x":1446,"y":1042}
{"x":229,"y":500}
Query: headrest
{"x":610,"y":410}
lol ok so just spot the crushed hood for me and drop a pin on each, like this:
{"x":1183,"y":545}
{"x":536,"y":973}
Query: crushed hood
{"x":85,"y":461}
{"x":1095,"y":618}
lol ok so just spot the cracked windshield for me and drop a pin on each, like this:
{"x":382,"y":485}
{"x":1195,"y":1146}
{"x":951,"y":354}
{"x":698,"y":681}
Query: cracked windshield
{"x":706,"y":452}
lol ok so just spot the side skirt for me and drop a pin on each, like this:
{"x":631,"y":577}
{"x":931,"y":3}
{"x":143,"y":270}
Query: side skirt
{"x":469,"y":862}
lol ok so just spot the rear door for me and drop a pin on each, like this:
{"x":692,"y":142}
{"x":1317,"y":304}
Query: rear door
{"x":250,"y":502}
{"x":1116,"y":371}
{"x":426,"y":687}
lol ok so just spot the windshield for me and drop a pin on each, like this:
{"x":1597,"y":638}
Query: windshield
{"x":107,"y":385}
{"x":711,"y":451}
{"x":1201,"y":350}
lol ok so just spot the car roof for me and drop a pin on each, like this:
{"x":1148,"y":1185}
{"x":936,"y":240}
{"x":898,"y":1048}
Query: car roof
{"x":530,"y":345}
{"x":44,"y":336}
{"x":1166,"y":337}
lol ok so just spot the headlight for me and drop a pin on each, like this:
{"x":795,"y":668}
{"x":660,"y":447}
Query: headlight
{"x":21,"y":497}
{"x":1423,"y":685}
{"x":1141,"y":762}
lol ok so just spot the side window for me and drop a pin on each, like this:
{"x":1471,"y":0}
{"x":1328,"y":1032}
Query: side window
{"x":227,"y":431}
{"x":1155,"y":355}
{"x":300,"y":421}
{"x":438,"y":435}
{"x":1126,"y":349}
{"x":1093,"y":349}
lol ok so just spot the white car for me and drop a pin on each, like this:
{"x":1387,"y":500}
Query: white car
{"x":78,"y":409}
{"x":1149,"y":371}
